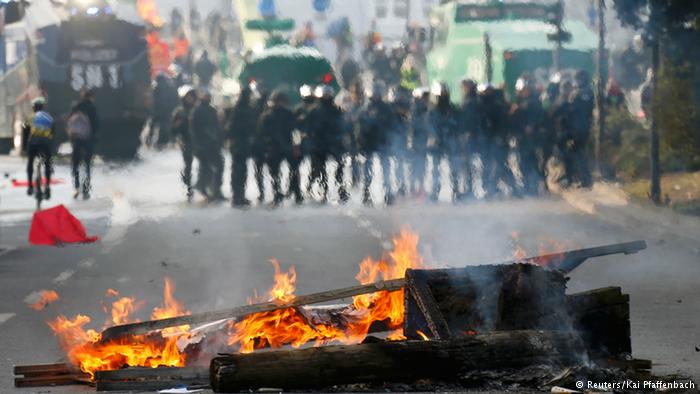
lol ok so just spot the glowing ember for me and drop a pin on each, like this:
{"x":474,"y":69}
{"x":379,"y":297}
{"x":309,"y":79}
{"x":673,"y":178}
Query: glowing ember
{"x":289,"y":327}
{"x":422,"y":335}
{"x":39,"y":301}
{"x":84,"y":349}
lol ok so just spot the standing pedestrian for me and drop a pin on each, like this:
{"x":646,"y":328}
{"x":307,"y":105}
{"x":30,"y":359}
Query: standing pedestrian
{"x":181,"y":131}
{"x":206,"y":133}
{"x":82,"y":128}
{"x":205,"y":70}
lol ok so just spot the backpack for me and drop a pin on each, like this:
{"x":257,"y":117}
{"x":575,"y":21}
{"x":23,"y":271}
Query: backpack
{"x":78,"y":126}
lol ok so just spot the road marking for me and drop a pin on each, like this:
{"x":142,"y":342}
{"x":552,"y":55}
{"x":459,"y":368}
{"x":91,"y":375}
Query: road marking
{"x":4,"y":317}
{"x":89,"y":263}
{"x":63,"y":277}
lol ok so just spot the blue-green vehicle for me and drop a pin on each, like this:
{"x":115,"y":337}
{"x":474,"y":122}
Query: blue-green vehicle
{"x":498,"y":41}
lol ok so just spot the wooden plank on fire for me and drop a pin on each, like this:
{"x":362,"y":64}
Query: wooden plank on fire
{"x":153,"y":373}
{"x":205,"y":317}
{"x":150,"y":379}
{"x":392,"y":361}
{"x":417,"y":287}
{"x":570,"y":260}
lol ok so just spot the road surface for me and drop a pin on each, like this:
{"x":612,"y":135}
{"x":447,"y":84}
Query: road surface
{"x":218,"y":256}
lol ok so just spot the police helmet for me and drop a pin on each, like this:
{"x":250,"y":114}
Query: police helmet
{"x":324,"y":91}
{"x":484,"y":86}
{"x":186,"y":90}
{"x":305,"y":91}
{"x":440,"y":89}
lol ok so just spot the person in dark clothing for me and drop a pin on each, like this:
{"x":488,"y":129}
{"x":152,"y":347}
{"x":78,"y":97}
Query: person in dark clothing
{"x":493,"y":110}
{"x":83,"y":143}
{"x":300,"y":141}
{"x":581,"y":118}
{"x":526,"y":118}
{"x":444,"y":128}
{"x":181,"y":132}
{"x":419,"y":139}
{"x":37,"y":135}
{"x":165,"y":100}
{"x":258,"y":148}
{"x":398,"y":136}
{"x":326,"y":131}
{"x":275,"y":127}
{"x":350,"y":71}
{"x":375,"y":120}
{"x":206,"y":134}
{"x":205,"y":70}
{"x":548,"y":139}
{"x":351,"y":113}
{"x":240,"y":126}
{"x":470,"y":136}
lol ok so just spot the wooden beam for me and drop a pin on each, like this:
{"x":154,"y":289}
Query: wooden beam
{"x":205,"y":317}
{"x":418,"y":288}
{"x":393,"y":361}
{"x":570,"y":260}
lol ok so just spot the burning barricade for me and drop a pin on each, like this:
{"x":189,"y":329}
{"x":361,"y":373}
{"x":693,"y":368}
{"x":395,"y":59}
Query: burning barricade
{"x":406,"y":323}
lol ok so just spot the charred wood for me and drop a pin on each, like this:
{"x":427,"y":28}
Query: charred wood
{"x":402,"y":361}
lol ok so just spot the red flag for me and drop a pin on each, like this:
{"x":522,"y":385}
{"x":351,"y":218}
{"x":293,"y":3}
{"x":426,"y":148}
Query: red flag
{"x":57,"y":226}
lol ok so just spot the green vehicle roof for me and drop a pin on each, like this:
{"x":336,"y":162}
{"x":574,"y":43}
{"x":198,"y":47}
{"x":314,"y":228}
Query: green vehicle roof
{"x":286,"y":67}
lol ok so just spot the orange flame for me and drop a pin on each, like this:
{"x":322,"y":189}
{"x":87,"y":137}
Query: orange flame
{"x":85,"y":351}
{"x":290,"y":327}
{"x":44,"y":298}
{"x":422,"y":335}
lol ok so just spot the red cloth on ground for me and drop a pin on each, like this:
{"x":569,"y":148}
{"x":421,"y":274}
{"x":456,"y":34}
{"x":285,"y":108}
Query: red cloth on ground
{"x":57,"y":226}
{"x":16,"y":183}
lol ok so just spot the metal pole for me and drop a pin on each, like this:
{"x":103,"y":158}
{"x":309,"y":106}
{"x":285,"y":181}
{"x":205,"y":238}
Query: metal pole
{"x":556,"y":54}
{"x":655,"y":189}
{"x":602,"y":74}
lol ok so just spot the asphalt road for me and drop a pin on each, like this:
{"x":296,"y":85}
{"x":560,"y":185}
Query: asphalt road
{"x":217,"y":256}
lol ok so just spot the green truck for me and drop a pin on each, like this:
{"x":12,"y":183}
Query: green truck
{"x":497,"y":41}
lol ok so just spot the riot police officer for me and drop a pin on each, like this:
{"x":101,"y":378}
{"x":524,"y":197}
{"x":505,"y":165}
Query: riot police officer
{"x":300,"y":140}
{"x":181,"y":131}
{"x":526,"y":118}
{"x":376,"y":119}
{"x":470,"y":136}
{"x":275,"y":128}
{"x":400,"y":101}
{"x":444,"y":127}
{"x":419,"y":139}
{"x":206,"y":134}
{"x":494,"y":111}
{"x":581,"y":117}
{"x":240,"y":125}
{"x":327,"y":130}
